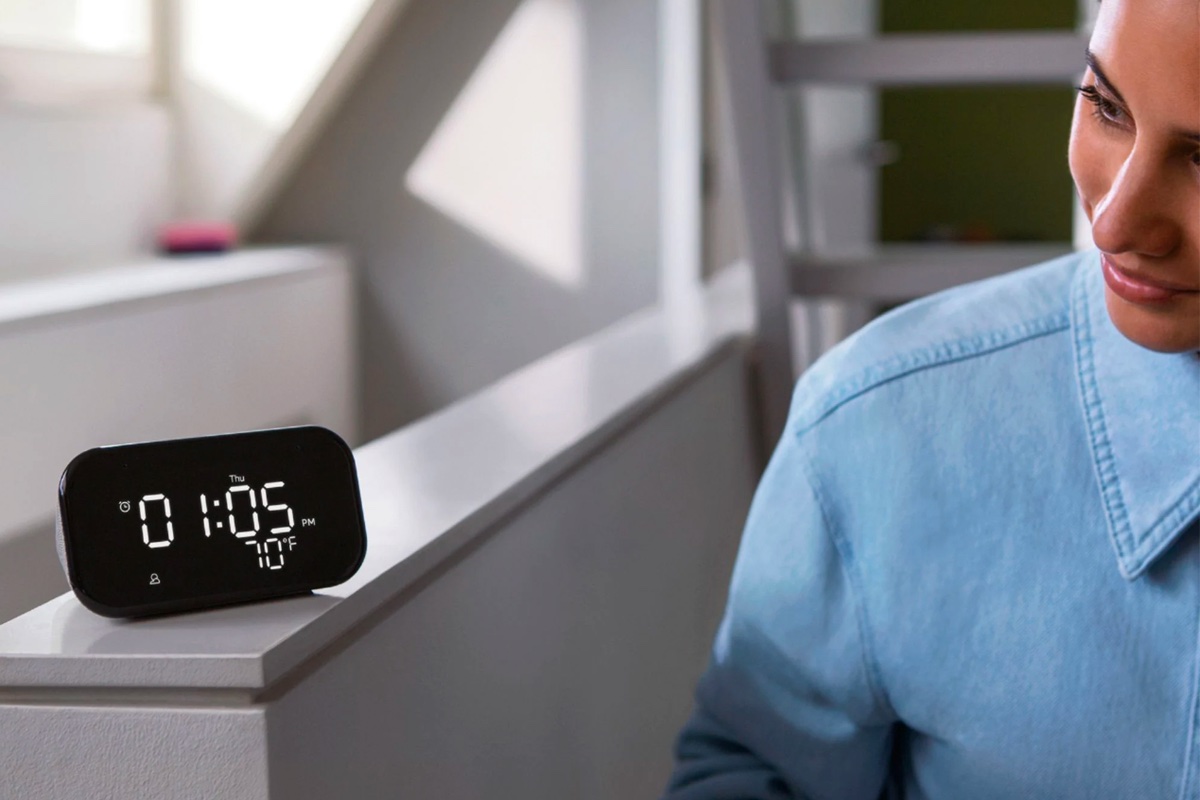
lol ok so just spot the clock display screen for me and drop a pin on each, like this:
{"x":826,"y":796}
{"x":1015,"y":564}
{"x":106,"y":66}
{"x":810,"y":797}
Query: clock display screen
{"x":164,"y":526}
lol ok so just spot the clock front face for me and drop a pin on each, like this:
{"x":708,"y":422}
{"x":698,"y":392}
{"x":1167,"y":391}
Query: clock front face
{"x":183,"y":524}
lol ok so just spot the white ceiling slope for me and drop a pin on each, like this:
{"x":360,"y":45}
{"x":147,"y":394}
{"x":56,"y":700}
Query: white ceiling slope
{"x":252,"y":86}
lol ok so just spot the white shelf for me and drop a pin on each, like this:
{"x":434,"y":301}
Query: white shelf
{"x":903,"y":272}
{"x":1041,"y":57}
{"x":153,"y":279}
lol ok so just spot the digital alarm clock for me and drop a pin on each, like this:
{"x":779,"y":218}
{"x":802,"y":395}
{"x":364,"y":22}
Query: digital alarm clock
{"x":179,"y":525}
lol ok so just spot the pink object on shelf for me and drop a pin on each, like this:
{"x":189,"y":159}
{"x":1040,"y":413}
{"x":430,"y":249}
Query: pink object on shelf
{"x":197,"y":237}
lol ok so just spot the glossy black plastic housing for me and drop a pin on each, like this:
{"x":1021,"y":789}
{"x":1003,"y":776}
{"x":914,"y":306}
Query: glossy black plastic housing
{"x":179,"y":525}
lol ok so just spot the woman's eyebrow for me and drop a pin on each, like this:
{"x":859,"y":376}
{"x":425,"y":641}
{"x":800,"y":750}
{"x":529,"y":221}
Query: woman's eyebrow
{"x":1101,"y":78}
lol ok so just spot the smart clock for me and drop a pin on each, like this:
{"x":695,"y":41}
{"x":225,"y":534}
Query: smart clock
{"x":179,"y":525}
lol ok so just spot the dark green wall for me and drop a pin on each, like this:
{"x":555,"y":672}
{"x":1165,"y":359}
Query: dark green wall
{"x":976,"y":163}
{"x":898,"y":16}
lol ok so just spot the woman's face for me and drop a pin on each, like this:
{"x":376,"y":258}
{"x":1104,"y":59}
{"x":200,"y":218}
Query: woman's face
{"x":1135,"y":158}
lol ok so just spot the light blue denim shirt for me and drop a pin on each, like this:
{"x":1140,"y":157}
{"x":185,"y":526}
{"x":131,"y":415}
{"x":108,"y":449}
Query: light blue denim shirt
{"x":972,"y":568}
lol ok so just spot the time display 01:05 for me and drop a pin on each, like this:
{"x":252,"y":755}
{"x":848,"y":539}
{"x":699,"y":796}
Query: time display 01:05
{"x":243,"y":516}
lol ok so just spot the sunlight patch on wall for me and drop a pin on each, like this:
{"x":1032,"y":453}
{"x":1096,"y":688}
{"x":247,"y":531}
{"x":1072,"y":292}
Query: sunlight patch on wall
{"x":505,"y":161}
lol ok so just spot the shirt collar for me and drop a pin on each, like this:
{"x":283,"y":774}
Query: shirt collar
{"x":1143,"y":419}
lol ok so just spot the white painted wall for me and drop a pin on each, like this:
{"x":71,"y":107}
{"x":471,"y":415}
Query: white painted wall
{"x":225,"y":754}
{"x":497,"y":170}
{"x":681,"y":148}
{"x":81,"y":187}
{"x":161,"y":351}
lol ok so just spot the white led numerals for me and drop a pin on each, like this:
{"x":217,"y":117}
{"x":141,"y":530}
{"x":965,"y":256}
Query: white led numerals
{"x":291,"y":523}
{"x":166,"y":509}
{"x":229,"y":495}
{"x":270,"y":551}
{"x":241,"y":500}
{"x":273,"y":560}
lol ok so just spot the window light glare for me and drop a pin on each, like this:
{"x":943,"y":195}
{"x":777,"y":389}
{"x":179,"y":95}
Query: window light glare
{"x":116,"y":26}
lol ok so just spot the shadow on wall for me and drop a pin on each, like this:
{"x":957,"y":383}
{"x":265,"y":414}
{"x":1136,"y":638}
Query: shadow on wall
{"x":495,"y":171}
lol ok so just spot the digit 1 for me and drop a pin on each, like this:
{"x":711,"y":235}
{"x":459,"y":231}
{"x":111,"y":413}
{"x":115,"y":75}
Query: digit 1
{"x":150,"y":498}
{"x":278,"y":507}
{"x":204,"y":511}
{"x":233,"y":522}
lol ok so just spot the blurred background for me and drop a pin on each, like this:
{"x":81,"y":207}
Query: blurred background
{"x":431,"y":194}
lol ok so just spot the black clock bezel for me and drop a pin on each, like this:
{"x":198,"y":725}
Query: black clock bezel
{"x":69,"y":555}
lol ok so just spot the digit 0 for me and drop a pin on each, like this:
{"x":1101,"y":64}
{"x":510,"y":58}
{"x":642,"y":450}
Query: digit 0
{"x":243,"y":534}
{"x":170,"y":527}
{"x":264,"y":558}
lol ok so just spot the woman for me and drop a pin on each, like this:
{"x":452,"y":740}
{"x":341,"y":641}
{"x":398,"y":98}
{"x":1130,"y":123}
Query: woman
{"x":972,"y":569}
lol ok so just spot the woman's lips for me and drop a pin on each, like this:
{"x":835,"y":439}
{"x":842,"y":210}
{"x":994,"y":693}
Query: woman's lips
{"x":1137,"y":289}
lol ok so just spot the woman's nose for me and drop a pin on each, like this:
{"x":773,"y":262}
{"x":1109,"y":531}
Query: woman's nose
{"x":1136,"y":214}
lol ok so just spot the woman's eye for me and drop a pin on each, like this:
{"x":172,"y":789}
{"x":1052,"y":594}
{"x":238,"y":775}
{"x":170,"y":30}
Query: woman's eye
{"x":1103,"y":109}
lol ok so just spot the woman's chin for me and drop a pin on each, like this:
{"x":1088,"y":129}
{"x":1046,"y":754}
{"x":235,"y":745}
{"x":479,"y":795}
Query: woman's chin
{"x":1172,"y":327}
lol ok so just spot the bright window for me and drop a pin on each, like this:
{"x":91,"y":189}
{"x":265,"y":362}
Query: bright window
{"x":54,"y":50}
{"x":103,"y":26}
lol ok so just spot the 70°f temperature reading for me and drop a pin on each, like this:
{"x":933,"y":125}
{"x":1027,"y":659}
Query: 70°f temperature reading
{"x":273,"y":560}
{"x":242,"y":513}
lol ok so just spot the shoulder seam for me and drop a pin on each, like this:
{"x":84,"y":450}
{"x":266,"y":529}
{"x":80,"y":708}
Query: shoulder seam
{"x":907,"y":363}
{"x":870,"y":662}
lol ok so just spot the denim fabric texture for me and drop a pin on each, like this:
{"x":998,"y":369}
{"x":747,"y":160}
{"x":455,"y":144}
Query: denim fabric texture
{"x":972,"y":567}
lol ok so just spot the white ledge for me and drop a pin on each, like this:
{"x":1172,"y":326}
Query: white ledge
{"x":428,"y":491}
{"x":153,"y":278}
